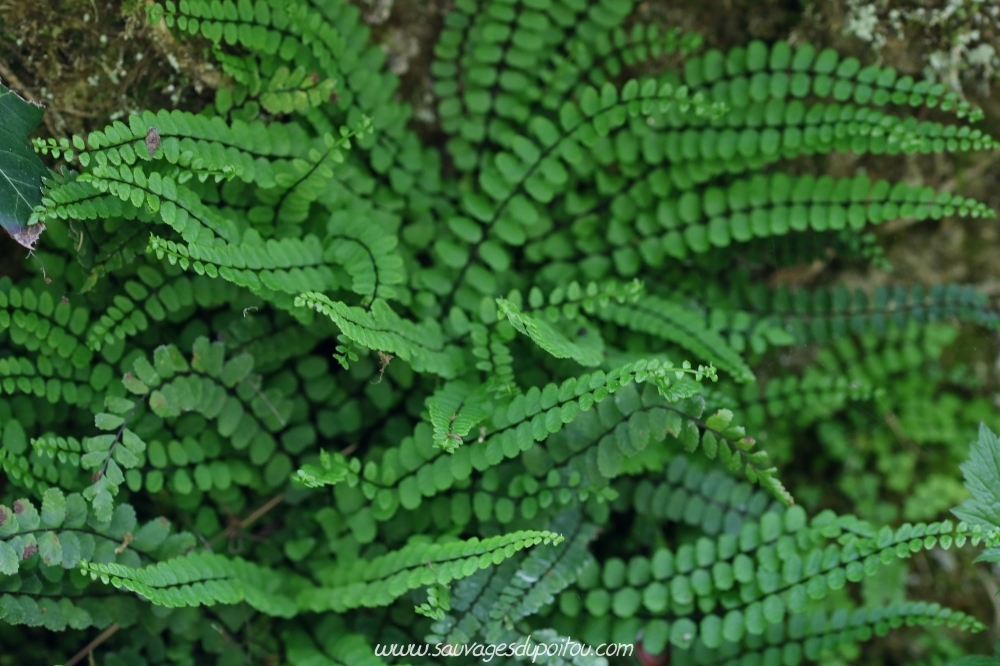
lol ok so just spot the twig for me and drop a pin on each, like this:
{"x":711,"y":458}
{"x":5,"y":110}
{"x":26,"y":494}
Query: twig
{"x":972,"y":173}
{"x":105,"y":635}
{"x":74,"y":112}
{"x":246,"y":522}
{"x":991,"y":588}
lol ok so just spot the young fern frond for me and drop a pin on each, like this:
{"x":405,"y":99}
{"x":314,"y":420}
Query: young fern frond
{"x":199,"y":579}
{"x":273,"y":270}
{"x":656,"y":316}
{"x":378,"y":582}
{"x":455,"y":410}
{"x":381,"y":329}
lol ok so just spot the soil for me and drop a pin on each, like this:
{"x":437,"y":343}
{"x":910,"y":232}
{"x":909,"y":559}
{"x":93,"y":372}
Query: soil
{"x":92,"y":61}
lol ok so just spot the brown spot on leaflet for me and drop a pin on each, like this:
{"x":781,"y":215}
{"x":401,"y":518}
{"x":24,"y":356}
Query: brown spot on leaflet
{"x":152,"y":141}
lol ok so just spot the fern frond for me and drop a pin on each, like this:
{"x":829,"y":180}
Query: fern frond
{"x":455,"y":410}
{"x":77,"y":199}
{"x":268,"y":269}
{"x":381,"y":329}
{"x":57,"y":608}
{"x":538,"y":166}
{"x":586,"y":347}
{"x":597,"y":55}
{"x":542,"y":575}
{"x":174,"y":204}
{"x":199,"y":579}
{"x":293,"y":32}
{"x":683,"y":327}
{"x":695,"y":221}
{"x":824,"y":315}
{"x":378,"y":582}
{"x":587,"y":350}
{"x":289,"y":91}
{"x":711,"y":500}
{"x":417,"y":469}
{"x":154,"y":298}
{"x":198,"y":143}
{"x":757,"y":72}
{"x":366,"y":251}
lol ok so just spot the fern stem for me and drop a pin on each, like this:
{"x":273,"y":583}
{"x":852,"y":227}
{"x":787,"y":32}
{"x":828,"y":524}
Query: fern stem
{"x":104,"y":635}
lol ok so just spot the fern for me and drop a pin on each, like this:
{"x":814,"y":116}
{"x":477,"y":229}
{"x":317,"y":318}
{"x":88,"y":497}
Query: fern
{"x":379,"y":582}
{"x":195,"y":580}
{"x":527,"y":381}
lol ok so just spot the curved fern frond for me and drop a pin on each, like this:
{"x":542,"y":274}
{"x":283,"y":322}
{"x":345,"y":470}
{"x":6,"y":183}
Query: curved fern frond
{"x":455,"y":410}
{"x":154,"y":298}
{"x":199,"y":579}
{"x":587,"y":350}
{"x":683,"y":327}
{"x":381,"y":329}
{"x":711,"y":500}
{"x":366,"y":250}
{"x":287,"y":266}
{"x":378,"y":582}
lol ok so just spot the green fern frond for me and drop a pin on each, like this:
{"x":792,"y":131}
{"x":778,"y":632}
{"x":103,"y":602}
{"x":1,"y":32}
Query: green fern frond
{"x":380,"y":581}
{"x":758,"y":71}
{"x":199,"y":579}
{"x":824,"y":315}
{"x":381,"y":329}
{"x":455,"y":410}
{"x":712,"y":501}
{"x":677,"y":324}
{"x":268,"y":269}
{"x":366,"y":252}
